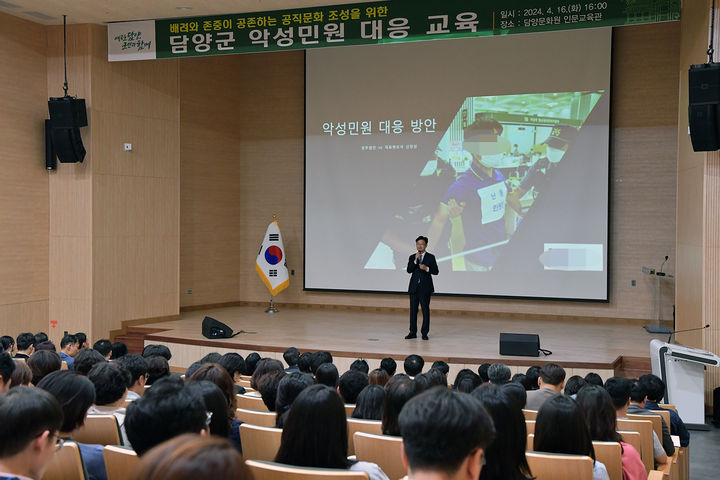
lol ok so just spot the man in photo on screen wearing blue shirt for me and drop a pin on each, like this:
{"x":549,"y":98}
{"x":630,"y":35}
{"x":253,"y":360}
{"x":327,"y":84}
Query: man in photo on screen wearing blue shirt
{"x":475,"y":203}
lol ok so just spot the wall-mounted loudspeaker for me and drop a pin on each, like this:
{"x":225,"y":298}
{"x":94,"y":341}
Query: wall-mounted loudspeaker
{"x":67,"y":115}
{"x":704,"y":106}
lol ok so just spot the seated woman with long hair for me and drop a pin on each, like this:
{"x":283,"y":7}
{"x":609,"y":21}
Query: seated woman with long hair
{"x":505,"y":457}
{"x":601,"y":419}
{"x":560,"y":428}
{"x":315,"y":434}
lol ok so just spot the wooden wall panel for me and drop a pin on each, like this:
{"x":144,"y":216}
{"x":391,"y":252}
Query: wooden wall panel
{"x":269,"y":180}
{"x":24,"y":215}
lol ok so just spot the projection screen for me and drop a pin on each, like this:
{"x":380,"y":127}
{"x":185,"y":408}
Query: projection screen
{"x":496,"y":148}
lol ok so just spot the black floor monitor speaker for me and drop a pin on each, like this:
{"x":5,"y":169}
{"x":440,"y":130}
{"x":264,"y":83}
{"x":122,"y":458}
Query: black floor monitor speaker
{"x":211,"y":328}
{"x":704,"y":106}
{"x":520,"y":344}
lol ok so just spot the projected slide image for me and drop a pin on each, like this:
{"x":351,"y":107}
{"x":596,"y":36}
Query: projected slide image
{"x":495,"y":159}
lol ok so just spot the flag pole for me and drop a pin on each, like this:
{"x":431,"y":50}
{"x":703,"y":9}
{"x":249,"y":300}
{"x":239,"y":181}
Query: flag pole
{"x":272,"y":308}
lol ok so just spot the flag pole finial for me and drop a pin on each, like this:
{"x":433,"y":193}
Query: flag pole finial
{"x":275,"y":216}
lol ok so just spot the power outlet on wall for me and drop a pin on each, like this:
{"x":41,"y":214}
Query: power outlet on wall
{"x":189,"y":292}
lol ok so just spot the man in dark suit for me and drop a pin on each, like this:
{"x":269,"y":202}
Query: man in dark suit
{"x":421,"y":266}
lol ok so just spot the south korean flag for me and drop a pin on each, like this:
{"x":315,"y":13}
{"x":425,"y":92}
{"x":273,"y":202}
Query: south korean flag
{"x":270,"y":263}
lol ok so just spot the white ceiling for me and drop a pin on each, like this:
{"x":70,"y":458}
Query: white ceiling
{"x":50,"y":12}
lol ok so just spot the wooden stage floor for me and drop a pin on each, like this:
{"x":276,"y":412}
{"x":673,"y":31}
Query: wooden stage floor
{"x":457,"y":339}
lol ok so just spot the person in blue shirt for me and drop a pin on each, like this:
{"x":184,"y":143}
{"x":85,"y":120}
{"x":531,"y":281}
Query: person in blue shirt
{"x":475,"y":203}
{"x":655,"y":389}
{"x":69,"y":347}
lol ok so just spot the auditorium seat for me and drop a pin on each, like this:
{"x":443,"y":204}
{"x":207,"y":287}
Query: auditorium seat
{"x":554,"y":466}
{"x":66,"y":464}
{"x":610,"y":454}
{"x":530,"y":425}
{"x":384,"y":450}
{"x":119,"y":461}
{"x":251,"y":403}
{"x":260,"y":443}
{"x":357,"y":425}
{"x":63,"y":365}
{"x":655,"y":475}
{"x":530,"y":414}
{"x":656,"y":421}
{"x":644,"y":428}
{"x":256,"y":417}
{"x":665,"y":416}
{"x":632,"y":438}
{"x":243,"y":383}
{"x":99,"y":430}
{"x":349,"y":409}
{"x":262,"y":470}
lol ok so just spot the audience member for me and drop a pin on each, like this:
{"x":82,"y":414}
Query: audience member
{"x":25,"y":345}
{"x":86,"y":359}
{"x":360,"y":365}
{"x":437,"y":377}
{"x":42,"y":363}
{"x":315,"y":434}
{"x":266,"y":365}
{"x":47,"y":346}
{"x":533,"y":376}
{"x":291,"y":357}
{"x":118,"y":350}
{"x":655,"y":390}
{"x":442,"y":366}
{"x":599,"y":411}
{"x":573,"y":385}
{"x":398,"y":391}
{"x":304,"y":362}
{"x":551,"y":383}
{"x":638,"y":397}
{"x":505,"y":456}
{"x":161,"y":350}
{"x":288,"y":390}
{"x":251,"y":362}
{"x":41,"y":337}
{"x":466,"y":381}
{"x":219,"y":376}
{"x":327,"y":374}
{"x":619,"y":390}
{"x":370,"y":403}
{"x":318,"y":358}
{"x":593,"y":378}
{"x":212,"y":357}
{"x":192,"y":369}
{"x":378,"y":377}
{"x":68,"y":349}
{"x":350,"y":384}
{"x":516,"y":393}
{"x":560,"y":428}
{"x":188,"y":457}
{"x":7,"y":368}
{"x":164,"y":412}
{"x":138,"y":368}
{"x":423,"y":380}
{"x":8,"y":344}
{"x":104,"y":347}
{"x":520,"y":379}
{"x":389,"y":365}
{"x":482,"y":372}
{"x":234,"y":364}
{"x":445,"y":435}
{"x":76,"y":394}
{"x":268,"y":387}
{"x":499,"y":373}
{"x":110,"y":381}
{"x":215,"y":403}
{"x":21,"y":376}
{"x":82,"y":340}
{"x":29,"y":422}
{"x":413,"y":365}
{"x":158,"y":368}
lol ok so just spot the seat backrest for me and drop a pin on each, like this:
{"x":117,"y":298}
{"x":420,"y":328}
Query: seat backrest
{"x":243,"y":383}
{"x":66,"y":464}
{"x":656,"y":421}
{"x":349,"y":409}
{"x":633,"y":438}
{"x":119,"y":462}
{"x":665,"y":416}
{"x":260,"y":443}
{"x":645,"y":429}
{"x":277,"y":471}
{"x":530,"y":425}
{"x":256,"y":417}
{"x":610,"y":454}
{"x":357,"y":425}
{"x":246,"y":378}
{"x":530,"y":414}
{"x":251,"y":403}
{"x":99,"y":430}
{"x":552,"y":466}
{"x":384,"y":450}
{"x":669,"y":406}
{"x":655,"y":475}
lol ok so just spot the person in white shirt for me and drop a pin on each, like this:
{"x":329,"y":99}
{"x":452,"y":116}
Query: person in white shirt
{"x":137,"y":366}
{"x":110,"y":380}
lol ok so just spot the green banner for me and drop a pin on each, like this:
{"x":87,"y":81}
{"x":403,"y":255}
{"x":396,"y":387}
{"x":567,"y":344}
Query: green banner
{"x":371,"y":23}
